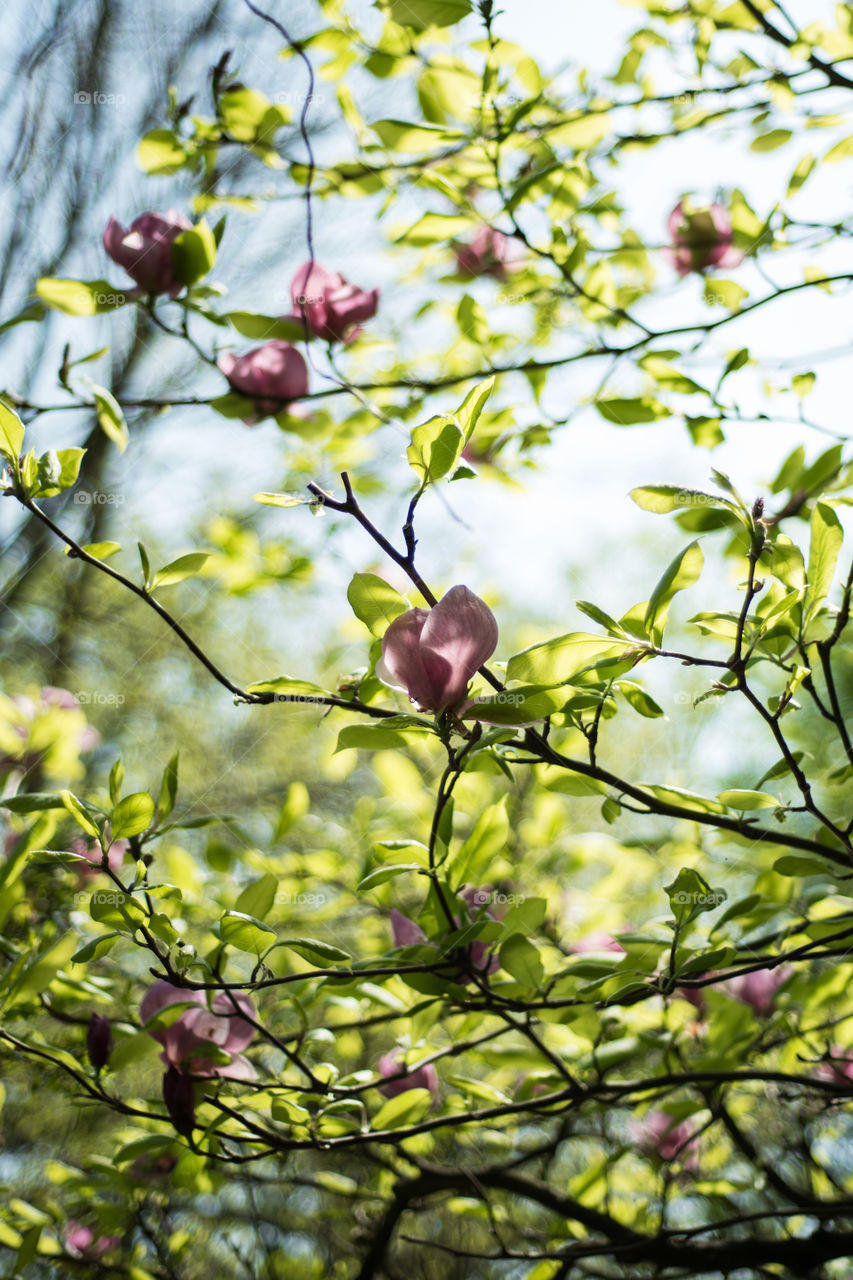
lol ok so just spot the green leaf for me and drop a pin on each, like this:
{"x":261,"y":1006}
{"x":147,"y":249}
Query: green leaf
{"x":168,"y":787}
{"x":193,"y":253}
{"x":177,"y":570}
{"x":281,"y":499}
{"x":57,"y":471}
{"x":663,"y":498}
{"x":421,"y":14}
{"x":100,"y":550}
{"x":724,"y":293}
{"x":486,"y":841}
{"x":404,"y":1109}
{"x":258,"y":898}
{"x":79,"y":297}
{"x":690,"y":895}
{"x":826,"y":538}
{"x":402,"y":135}
{"x":96,"y":948}
{"x":522,"y":704}
{"x":11,"y":433}
{"x":472,"y":406}
{"x":374,"y":602}
{"x":553,"y":662}
{"x":266,"y":327}
{"x":627,"y":413}
{"x":436,"y":448}
{"x":79,"y":814}
{"x":110,"y":416}
{"x":682,"y":573}
{"x":132,"y":815}
{"x":391,"y":734}
{"x":770,"y":141}
{"x":315,"y":952}
{"x":748,"y":800}
{"x":242,"y":111}
{"x":522,"y":961}
{"x":161,"y":152}
{"x":290,"y":687}
{"x":242,"y":931}
{"x":792,"y":865}
{"x":642,"y":702}
{"x":383,"y":874}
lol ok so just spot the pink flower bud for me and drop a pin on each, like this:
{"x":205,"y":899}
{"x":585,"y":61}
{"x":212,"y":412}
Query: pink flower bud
{"x":179,"y":1097}
{"x":272,"y":376}
{"x":99,"y":1040}
{"x":434,"y":653}
{"x":485,"y":255}
{"x":333,"y":308}
{"x":391,"y":1064}
{"x":702,"y":238}
{"x":145,"y":249}
{"x":81,"y":1242}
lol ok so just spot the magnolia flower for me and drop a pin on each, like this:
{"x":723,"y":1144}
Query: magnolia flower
{"x":485,"y":255}
{"x":145,"y":249}
{"x":333,"y":308}
{"x":391,"y":1064}
{"x":408,"y":934}
{"x":92,"y":853}
{"x":758,"y":988}
{"x":98,"y":1040}
{"x":81,"y":1242}
{"x":271,"y":376}
{"x":838,"y":1067}
{"x":434,"y":653}
{"x":597,"y":940}
{"x":702,"y":238}
{"x":658,"y":1134}
{"x":187,"y":1040}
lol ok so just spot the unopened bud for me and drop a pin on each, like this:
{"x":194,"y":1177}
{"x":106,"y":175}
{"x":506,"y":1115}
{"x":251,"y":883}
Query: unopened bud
{"x":99,"y":1038}
{"x":179,"y":1097}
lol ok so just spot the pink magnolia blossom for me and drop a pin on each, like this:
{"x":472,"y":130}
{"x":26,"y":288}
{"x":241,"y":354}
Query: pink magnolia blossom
{"x":144,"y":249}
{"x":434,"y":653}
{"x":658,"y":1134}
{"x":272,"y":376}
{"x":334,"y":308}
{"x":485,"y":255}
{"x":186,"y":1041}
{"x":81,"y":1242}
{"x":838,"y":1067}
{"x":391,"y":1064}
{"x":596,"y":940}
{"x":758,"y":988}
{"x":408,"y":934}
{"x":702,"y":238}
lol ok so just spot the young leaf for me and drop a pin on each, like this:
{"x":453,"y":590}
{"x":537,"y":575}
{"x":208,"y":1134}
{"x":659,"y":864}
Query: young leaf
{"x":682,"y":573}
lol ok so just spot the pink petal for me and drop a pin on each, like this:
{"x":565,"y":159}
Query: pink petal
{"x":459,"y":635}
{"x":405,"y":932}
{"x":401,"y":663}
